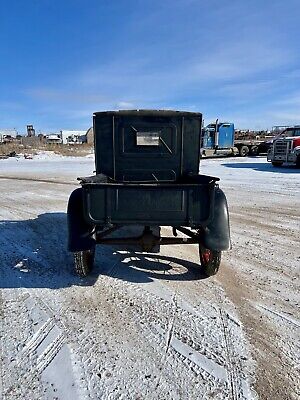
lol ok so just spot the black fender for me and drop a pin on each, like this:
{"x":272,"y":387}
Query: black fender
{"x":216,"y":235}
{"x":80,"y":233}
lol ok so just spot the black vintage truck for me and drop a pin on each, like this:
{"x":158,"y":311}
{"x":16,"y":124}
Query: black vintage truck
{"x":147,"y":173}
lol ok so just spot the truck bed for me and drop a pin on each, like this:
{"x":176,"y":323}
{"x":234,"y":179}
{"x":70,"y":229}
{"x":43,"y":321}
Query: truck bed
{"x":183,"y":203}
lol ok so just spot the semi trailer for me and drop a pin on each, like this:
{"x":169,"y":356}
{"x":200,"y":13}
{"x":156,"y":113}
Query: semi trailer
{"x":219,"y":139}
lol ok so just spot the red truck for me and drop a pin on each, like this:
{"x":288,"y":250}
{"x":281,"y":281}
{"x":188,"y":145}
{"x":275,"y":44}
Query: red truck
{"x":286,"y":148}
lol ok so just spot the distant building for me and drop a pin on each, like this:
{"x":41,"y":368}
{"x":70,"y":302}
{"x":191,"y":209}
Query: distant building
{"x":33,"y":140}
{"x":8,"y":135}
{"x":54,"y":138}
{"x":73,"y":137}
{"x":90,"y":136}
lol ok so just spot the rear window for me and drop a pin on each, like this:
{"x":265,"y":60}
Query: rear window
{"x":148,"y":138}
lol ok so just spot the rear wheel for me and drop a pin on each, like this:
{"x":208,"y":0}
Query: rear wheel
{"x":84,"y":262}
{"x":254,"y":151}
{"x":277,"y":163}
{"x":243,"y":150}
{"x":210,"y":260}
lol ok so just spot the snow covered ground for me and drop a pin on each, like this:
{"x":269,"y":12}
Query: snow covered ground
{"x":143,"y":326}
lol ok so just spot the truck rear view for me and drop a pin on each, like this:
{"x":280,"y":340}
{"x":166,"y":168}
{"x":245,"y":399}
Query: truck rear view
{"x":147,"y":164}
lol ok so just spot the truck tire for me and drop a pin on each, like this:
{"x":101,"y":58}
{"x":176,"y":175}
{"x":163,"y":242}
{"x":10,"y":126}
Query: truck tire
{"x":210,"y":260}
{"x":243,"y":151}
{"x":84,"y":261}
{"x":277,"y":163}
{"x":298,"y":161}
{"x":254,"y":151}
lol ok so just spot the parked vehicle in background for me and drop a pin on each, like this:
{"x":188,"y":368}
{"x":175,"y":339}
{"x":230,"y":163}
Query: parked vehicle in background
{"x":286,"y":148}
{"x":220,"y":138}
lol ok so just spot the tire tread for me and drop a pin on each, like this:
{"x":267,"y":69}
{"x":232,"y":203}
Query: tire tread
{"x":83,"y":262}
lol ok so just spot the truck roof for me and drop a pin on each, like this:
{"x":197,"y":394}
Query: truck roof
{"x":163,"y":113}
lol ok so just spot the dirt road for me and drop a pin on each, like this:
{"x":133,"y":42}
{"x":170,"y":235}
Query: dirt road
{"x":144,"y":326}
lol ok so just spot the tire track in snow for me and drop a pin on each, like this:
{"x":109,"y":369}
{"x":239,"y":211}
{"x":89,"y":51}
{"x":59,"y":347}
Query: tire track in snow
{"x":155,"y":331}
{"x":53,"y":341}
{"x":83,"y":379}
{"x":16,"y":178}
{"x":38,"y":365}
{"x":194,"y":358}
{"x":49,"y":353}
{"x":231,"y":370}
{"x":37,"y":338}
{"x":279,"y":314}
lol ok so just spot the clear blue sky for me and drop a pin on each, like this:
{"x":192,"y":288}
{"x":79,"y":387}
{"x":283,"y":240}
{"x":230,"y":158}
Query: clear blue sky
{"x":237,"y":60}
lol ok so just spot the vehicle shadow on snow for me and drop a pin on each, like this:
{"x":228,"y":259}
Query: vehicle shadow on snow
{"x":137,"y":267}
{"x":34,"y":255}
{"x":265,"y":167}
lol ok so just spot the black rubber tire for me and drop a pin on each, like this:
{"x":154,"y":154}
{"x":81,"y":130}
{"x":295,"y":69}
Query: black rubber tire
{"x":298,"y":162}
{"x":277,"y":163}
{"x":244,"y":151}
{"x":254,"y":151}
{"x":84,"y":262}
{"x":210,"y":260}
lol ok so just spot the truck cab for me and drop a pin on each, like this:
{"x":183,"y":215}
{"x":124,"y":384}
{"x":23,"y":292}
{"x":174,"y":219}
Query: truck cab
{"x":217,"y":136}
{"x":286,"y":148}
